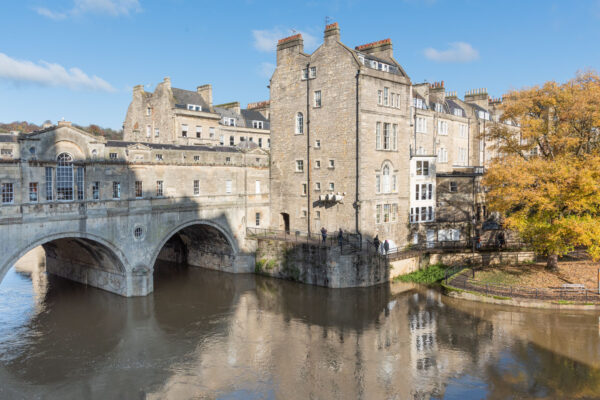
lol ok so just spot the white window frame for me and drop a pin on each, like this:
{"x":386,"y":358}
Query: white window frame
{"x":317,"y":98}
{"x":228,"y":186}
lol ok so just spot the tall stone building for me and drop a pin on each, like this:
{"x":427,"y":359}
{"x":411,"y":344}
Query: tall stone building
{"x":340,"y":122}
{"x":176,"y":116}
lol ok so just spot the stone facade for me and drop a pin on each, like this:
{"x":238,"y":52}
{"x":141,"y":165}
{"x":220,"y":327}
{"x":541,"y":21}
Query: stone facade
{"x":177,"y":116}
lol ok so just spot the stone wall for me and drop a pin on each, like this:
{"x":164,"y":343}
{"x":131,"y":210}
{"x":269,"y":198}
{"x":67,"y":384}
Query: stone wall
{"x":319,"y":265}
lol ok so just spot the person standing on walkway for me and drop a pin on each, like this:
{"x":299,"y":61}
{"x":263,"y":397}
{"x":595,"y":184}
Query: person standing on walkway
{"x":340,"y":237}
{"x":386,"y":246}
{"x":376,"y":243}
{"x":324,"y":234}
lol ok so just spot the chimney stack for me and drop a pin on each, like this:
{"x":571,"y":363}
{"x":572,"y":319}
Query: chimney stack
{"x":206,"y":92}
{"x":289,"y":46}
{"x":382,"y":48}
{"x":332,"y":33}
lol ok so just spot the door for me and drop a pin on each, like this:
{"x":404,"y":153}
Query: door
{"x":286,"y":222}
{"x":430,"y":238}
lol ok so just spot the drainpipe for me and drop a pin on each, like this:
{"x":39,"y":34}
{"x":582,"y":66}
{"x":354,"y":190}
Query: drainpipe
{"x":357,"y":203}
{"x":308,"y":166}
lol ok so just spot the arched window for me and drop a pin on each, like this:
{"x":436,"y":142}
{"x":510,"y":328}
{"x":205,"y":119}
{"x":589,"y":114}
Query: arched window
{"x":386,"y":179}
{"x":299,"y":123}
{"x":64,"y":177}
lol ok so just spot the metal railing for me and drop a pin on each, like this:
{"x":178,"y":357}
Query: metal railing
{"x":464,"y":278}
{"x":349,"y":242}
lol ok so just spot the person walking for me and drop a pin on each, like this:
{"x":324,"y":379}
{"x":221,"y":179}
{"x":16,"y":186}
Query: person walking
{"x":376,"y":243}
{"x":324,"y":234}
{"x":386,"y":246}
{"x":340,"y":237}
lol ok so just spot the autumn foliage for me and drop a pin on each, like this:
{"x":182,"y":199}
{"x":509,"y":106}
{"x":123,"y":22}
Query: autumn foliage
{"x":546,"y":182}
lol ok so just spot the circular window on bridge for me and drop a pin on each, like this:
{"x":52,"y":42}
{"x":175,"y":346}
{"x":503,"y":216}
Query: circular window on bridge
{"x":138,"y":232}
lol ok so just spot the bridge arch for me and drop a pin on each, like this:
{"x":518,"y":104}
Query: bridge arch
{"x":202,"y":242}
{"x":98,"y":262}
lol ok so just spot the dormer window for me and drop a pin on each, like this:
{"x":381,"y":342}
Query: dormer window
{"x":458,"y":112}
{"x":257,"y":124}
{"x":484,"y":115}
{"x":194,"y":107}
{"x":439,"y":108}
{"x":229,"y":121}
{"x":418,"y":103}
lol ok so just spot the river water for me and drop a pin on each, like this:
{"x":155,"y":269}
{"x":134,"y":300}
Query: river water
{"x":209,"y":335}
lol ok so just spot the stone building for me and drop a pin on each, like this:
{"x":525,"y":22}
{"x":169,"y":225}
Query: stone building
{"x":340,"y":121}
{"x":177,"y":116}
{"x":358,"y":146}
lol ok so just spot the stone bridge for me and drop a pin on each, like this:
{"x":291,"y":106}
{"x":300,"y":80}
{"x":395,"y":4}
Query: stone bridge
{"x":114,"y":245}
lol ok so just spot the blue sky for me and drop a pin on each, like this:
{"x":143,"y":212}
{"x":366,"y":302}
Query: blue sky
{"x":79,"y":59}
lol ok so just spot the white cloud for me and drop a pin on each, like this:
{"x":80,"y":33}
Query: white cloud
{"x":266,"y":39}
{"x":48,"y":74}
{"x":266,"y":69}
{"x":458,"y":52}
{"x":113,"y":8}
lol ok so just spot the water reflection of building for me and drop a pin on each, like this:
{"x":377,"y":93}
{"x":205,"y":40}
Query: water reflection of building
{"x":33,"y":264}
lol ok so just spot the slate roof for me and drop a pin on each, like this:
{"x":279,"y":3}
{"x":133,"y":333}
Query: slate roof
{"x":245,"y":118}
{"x":161,"y":146}
{"x":452,"y":105}
{"x":184,"y":97}
{"x":8,"y":138}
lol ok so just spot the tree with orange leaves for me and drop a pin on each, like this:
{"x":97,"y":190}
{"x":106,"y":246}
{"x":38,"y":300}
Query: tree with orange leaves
{"x":546,"y":181}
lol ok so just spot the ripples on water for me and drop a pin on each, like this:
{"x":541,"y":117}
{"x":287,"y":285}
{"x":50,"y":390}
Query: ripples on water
{"x":204,"y":334}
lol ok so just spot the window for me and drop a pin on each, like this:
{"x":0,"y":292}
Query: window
{"x":96,"y":190}
{"x":394,"y":212}
{"x":379,"y":97}
{"x":116,"y":190}
{"x":386,"y":136}
{"x":378,"y":214}
{"x":453,"y":186}
{"x":228,"y":186}
{"x":159,"y":188}
{"x":49,"y":189}
{"x":184,"y":130}
{"x":112,"y":156}
{"x":257,"y":216}
{"x":268,"y":143}
{"x":378,"y":136}
{"x":394,"y":137}
{"x":251,"y":139}
{"x":221,"y":140}
{"x":231,"y":140}
{"x":33,"y":191}
{"x":304,"y":189}
{"x":304,"y":213}
{"x":331,"y":163}
{"x":393,"y":102}
{"x":305,"y":73}
{"x":156,"y":132}
{"x":386,"y":95}
{"x":8,"y":194}
{"x":448,"y":235}
{"x":393,"y":183}
{"x":378,"y":184}
{"x":317,"y":144}
{"x":258,"y":124}
{"x":194,"y":107}
{"x":211,"y":132}
{"x":260,"y":142}
{"x":421,"y":125}
{"x":299,"y":165}
{"x":423,"y":168}
{"x":462,"y":130}
{"x":159,"y":157}
{"x":198,"y":131}
{"x":299,"y":123}
{"x":386,"y":179}
{"x":418,"y":103}
{"x":331,"y":186}
{"x":462,"y":155}
{"x":423,"y":191}
{"x":458,"y":112}
{"x":148,"y":131}
{"x":149,"y":111}
{"x":439,"y":108}
{"x":317,"y":96}
{"x":313,"y":72}
{"x":138,"y":232}
{"x":318,"y":186}
{"x":196,"y":158}
{"x":257,"y":187}
{"x":442,"y":127}
{"x":430,"y":213}
{"x":64,"y":177}
{"x":196,"y":187}
{"x":317,"y":164}
{"x":417,"y":187}
{"x":430,"y":192}
{"x":80,"y":178}
{"x":138,"y":190}
{"x":386,"y":213}
{"x":442,"y":155}
{"x":227,"y":160}
{"x":318,"y":215}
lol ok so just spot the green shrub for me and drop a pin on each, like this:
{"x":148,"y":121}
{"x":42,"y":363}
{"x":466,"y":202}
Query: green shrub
{"x":432,"y":274}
